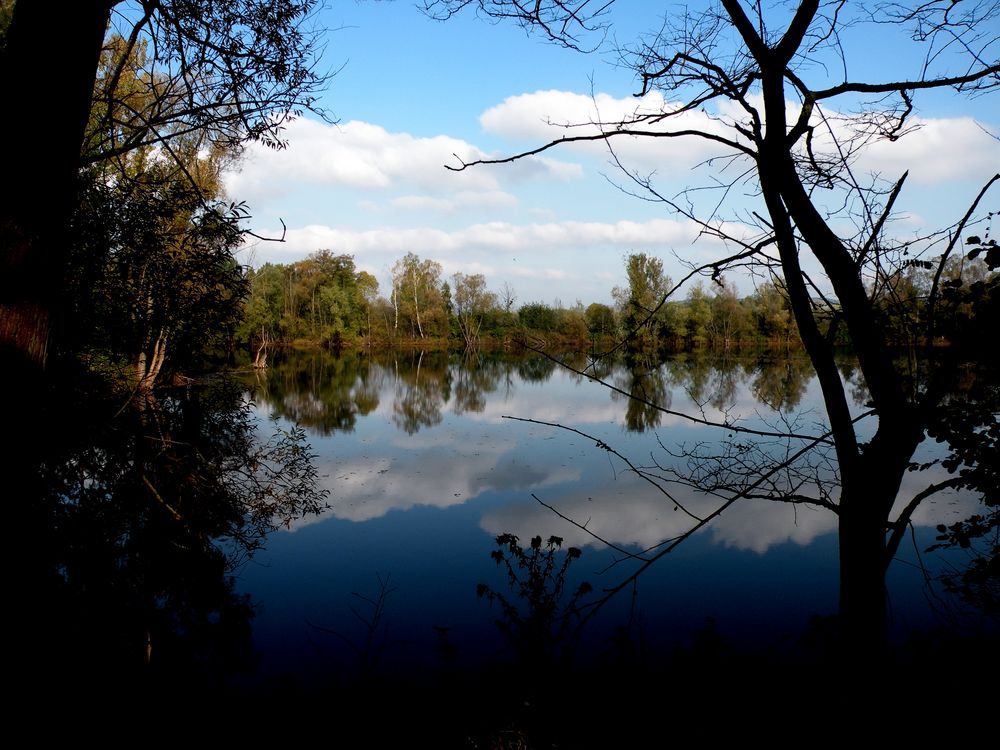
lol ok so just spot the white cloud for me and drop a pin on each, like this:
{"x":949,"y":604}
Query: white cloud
{"x":938,"y":150}
{"x":551,"y":406}
{"x":760,"y":524}
{"x":630,"y":517}
{"x":544,"y":116}
{"x":365,"y":156}
{"x":548,"y":114}
{"x":366,"y":488}
{"x":935,"y":150}
{"x":453,"y":266}
{"x":518,"y":239}
{"x":640,"y":517}
{"x":910,"y":219}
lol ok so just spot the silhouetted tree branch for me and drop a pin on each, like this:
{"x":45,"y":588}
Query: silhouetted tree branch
{"x":764,"y":79}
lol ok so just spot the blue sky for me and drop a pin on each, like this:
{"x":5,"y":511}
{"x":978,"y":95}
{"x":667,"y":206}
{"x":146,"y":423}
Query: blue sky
{"x":410,"y":92}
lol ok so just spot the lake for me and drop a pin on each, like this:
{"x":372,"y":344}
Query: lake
{"x":428,"y":457}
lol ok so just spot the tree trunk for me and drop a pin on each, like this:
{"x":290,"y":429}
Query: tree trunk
{"x":862,"y":579}
{"x":416,"y":304}
{"x":40,"y":174}
{"x":36,"y":213}
{"x":260,"y":360}
{"x":148,"y":366}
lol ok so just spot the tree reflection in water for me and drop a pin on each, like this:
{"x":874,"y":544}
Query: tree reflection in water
{"x":421,"y":390}
{"x":410,"y":392}
{"x":649,"y":391}
{"x":144,"y":512}
{"x":323,"y":394}
{"x":136,"y":574}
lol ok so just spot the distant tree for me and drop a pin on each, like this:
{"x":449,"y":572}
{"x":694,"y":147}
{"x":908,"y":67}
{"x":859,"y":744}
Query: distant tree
{"x":699,"y":315}
{"x":262,"y":311}
{"x":571,"y":323}
{"x":537,"y":316}
{"x":472,"y":302}
{"x":729,"y":321}
{"x":341,"y":306}
{"x":638,"y":302}
{"x":322,"y":298}
{"x":507,"y":297}
{"x":673,"y":331}
{"x":772,"y":314}
{"x":368,"y":288}
{"x":601,"y":320}
{"x":416,"y":290}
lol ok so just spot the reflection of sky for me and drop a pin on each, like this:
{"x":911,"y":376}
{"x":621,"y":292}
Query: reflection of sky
{"x":559,"y":404}
{"x":641,"y":517}
{"x":424,"y":506}
{"x":629,"y":512}
{"x":436,"y":473}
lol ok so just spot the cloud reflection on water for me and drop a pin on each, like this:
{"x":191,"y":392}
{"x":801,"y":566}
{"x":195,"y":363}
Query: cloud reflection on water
{"x":439,"y":475}
{"x":639,"y":517}
{"x":421,"y":444}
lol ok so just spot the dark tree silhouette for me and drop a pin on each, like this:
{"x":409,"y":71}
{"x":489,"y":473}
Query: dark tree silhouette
{"x":762,"y":83}
{"x":131,"y":77}
{"x":230,"y":72}
{"x":141,"y":518}
{"x":540,"y":623}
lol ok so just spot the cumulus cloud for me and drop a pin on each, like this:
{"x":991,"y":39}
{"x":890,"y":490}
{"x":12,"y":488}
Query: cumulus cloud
{"x":937,"y":150}
{"x":567,"y":259}
{"x":468,"y":267}
{"x":365,"y":156}
{"x":543,"y":274}
{"x":543,"y":116}
{"x":933,"y":150}
{"x":641,"y":518}
{"x":626,"y":511}
{"x":496,"y":235}
{"x":551,"y":406}
{"x":635,"y":517}
{"x":429,"y":476}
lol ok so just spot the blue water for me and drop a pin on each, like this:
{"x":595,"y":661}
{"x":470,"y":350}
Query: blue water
{"x":421,"y":484}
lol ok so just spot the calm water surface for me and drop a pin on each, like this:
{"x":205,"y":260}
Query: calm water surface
{"x":427,"y":458}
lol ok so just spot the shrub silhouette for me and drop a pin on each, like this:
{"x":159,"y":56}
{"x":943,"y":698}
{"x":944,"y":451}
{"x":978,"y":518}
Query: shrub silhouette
{"x":539,"y":625}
